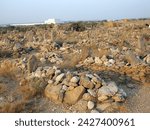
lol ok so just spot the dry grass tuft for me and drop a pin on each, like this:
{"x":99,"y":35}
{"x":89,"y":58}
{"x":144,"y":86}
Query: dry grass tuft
{"x":17,"y":106}
{"x":8,"y":69}
{"x":3,"y":88}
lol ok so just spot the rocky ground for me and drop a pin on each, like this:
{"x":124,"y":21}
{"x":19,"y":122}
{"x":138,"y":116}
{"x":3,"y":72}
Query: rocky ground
{"x":76,"y":67}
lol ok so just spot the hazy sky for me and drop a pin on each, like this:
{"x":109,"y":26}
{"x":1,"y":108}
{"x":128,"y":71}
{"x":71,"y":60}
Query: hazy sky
{"x":24,"y":11}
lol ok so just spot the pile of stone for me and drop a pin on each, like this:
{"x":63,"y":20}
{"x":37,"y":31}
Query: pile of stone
{"x":70,"y":87}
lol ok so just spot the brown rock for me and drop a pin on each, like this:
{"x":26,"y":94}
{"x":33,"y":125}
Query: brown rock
{"x":54,"y":93}
{"x":85,"y":82}
{"x":72,"y":96}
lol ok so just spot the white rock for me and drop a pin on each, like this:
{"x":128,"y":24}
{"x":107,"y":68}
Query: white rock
{"x":57,"y":72}
{"x":59,"y":77}
{"x":74,"y":79}
{"x":92,"y":92}
{"x":112,"y":61}
{"x":110,"y":90}
{"x":90,"y":105}
{"x":90,"y":76}
{"x":64,"y":87}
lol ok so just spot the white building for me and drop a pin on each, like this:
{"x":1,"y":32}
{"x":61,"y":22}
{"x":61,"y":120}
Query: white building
{"x":52,"y":21}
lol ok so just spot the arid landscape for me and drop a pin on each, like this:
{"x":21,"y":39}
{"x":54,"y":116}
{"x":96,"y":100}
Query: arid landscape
{"x":89,"y":67}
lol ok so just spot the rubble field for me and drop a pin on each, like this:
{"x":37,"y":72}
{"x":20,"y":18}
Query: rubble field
{"x":88,"y":67}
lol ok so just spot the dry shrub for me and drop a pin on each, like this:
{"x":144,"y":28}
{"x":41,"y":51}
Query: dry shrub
{"x":27,"y":92}
{"x":8,"y":69}
{"x":17,"y":106}
{"x":5,"y":54}
{"x":3,"y":88}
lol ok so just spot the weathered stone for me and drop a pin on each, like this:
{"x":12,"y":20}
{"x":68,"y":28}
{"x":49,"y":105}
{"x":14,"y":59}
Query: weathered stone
{"x":88,"y":97}
{"x":85,"y":82}
{"x":102,"y":98}
{"x":54,"y":93}
{"x":64,"y":87}
{"x":80,"y":106}
{"x":72,"y":96}
{"x":120,"y":96}
{"x":59,"y":78}
{"x":73,"y":84}
{"x":74,"y":79}
{"x":110,"y":90}
{"x":38,"y":74}
{"x":90,"y":105}
{"x":32,"y":64}
{"x":92,"y":92}
{"x":147,"y":59}
{"x":102,"y":106}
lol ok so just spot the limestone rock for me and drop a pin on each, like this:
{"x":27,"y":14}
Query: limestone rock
{"x":72,"y":96}
{"x":102,"y":98}
{"x":74,"y":79}
{"x":54,"y":93}
{"x":85,"y":82}
{"x":147,"y":59}
{"x":59,"y":77}
{"x":88,"y":97}
{"x":110,"y":90}
{"x":92,"y":92}
{"x":90,"y":105}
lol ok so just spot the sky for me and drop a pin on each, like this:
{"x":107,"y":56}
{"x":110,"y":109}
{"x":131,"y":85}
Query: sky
{"x":26,"y":11}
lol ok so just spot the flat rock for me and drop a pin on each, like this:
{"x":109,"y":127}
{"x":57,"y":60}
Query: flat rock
{"x":54,"y":93}
{"x":72,"y":96}
{"x":110,"y":90}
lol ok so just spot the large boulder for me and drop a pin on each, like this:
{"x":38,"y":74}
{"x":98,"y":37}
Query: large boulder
{"x":54,"y":93}
{"x":72,"y":96}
